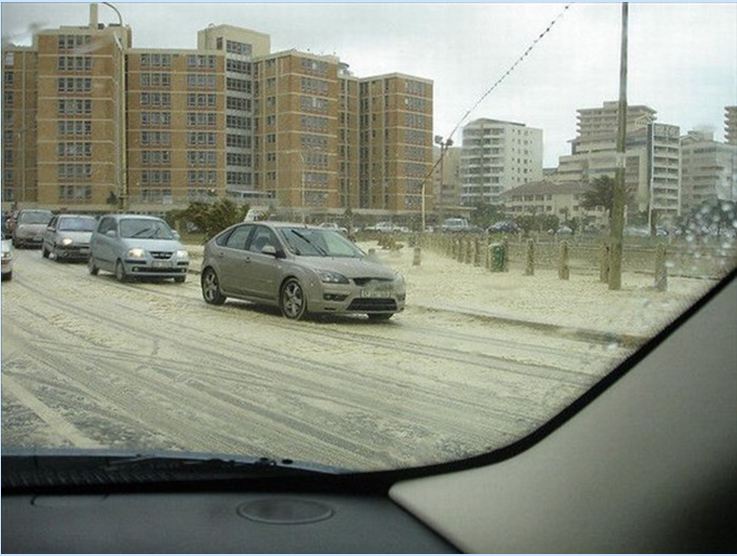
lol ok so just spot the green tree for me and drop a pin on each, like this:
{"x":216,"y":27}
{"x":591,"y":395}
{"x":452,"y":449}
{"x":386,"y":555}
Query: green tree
{"x":485,"y":214}
{"x":208,"y":218}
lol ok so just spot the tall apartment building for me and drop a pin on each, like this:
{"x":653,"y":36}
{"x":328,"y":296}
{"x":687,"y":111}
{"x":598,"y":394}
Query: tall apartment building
{"x":652,"y":157}
{"x":19,"y":126}
{"x":90,"y":122}
{"x":240,"y":47}
{"x":175,"y":131}
{"x":395,"y":143}
{"x":708,"y":169}
{"x":497,"y":156}
{"x":730,"y":124}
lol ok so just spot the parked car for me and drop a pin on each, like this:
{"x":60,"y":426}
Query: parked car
{"x":67,"y":237}
{"x":29,"y":227}
{"x":384,"y":227}
{"x":455,"y":225}
{"x":300,"y":269}
{"x":564,"y":231}
{"x":133,"y":245}
{"x":503,"y":227}
{"x":7,"y":257}
{"x":334,"y":226}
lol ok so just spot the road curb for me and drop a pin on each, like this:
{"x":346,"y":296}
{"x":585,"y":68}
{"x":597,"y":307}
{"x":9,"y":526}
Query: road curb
{"x":590,"y":335}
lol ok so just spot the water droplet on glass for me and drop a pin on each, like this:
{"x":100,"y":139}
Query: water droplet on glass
{"x":670,"y":264}
{"x":612,"y":346}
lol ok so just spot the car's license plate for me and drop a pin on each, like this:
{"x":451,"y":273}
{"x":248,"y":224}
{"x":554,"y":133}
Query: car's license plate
{"x":161,"y":264}
{"x":376,"y":293}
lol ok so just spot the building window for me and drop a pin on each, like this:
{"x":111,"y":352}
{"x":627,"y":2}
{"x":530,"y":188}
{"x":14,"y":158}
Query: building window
{"x":237,"y":103}
{"x":155,"y":158}
{"x":74,"y":150}
{"x":237,"y":122}
{"x":198,"y":100}
{"x":74,"y":171}
{"x":156,"y":60}
{"x":239,"y":159}
{"x":242,"y":85}
{"x":201,"y":177}
{"x":201,"y":158}
{"x":155,"y":119}
{"x":201,"y":138}
{"x":74,"y":107}
{"x":200,"y":61}
{"x":76,"y":193}
{"x":201,"y":119}
{"x":74,"y":63}
{"x":156,"y":99}
{"x":238,"y":66}
{"x":156,"y":177}
{"x":71,"y":42}
{"x":156,"y":80}
{"x":200,"y":81}
{"x":238,"y":141}
{"x":162,"y":138}
{"x":311,"y":85}
{"x":74,"y":85}
{"x":240,"y":48}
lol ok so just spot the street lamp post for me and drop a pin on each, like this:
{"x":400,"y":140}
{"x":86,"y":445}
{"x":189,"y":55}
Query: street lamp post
{"x":121,"y":140}
{"x":444,"y":146}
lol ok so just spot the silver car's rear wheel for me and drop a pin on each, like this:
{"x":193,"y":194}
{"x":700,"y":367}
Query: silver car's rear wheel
{"x":211,"y":288}
{"x":292,"y":300}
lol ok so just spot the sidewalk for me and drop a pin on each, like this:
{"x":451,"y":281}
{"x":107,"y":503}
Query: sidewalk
{"x":581,"y":305}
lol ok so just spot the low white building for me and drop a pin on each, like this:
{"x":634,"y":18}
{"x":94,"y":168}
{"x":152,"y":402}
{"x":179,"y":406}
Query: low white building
{"x":708,"y":169}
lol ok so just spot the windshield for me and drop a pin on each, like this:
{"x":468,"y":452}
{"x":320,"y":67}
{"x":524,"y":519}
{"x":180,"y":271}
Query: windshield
{"x":77,"y":224}
{"x":34,"y":217}
{"x":500,"y":230}
{"x":144,"y":228}
{"x":319,"y":243}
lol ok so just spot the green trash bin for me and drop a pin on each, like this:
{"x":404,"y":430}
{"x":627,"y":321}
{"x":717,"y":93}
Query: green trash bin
{"x":498,"y":255}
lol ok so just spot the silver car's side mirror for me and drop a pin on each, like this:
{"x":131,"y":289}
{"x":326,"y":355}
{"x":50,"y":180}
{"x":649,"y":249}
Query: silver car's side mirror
{"x":111,"y":233}
{"x":176,"y":235}
{"x":269,"y":250}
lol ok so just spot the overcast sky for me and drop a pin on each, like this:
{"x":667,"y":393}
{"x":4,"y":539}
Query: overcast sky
{"x":682,"y":57}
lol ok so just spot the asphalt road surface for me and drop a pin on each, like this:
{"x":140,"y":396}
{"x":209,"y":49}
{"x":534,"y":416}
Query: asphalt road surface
{"x":89,"y":362}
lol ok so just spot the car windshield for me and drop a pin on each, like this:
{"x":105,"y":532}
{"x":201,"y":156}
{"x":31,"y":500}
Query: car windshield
{"x":77,"y":224}
{"x":310,"y":242}
{"x":145,"y":228}
{"x":407,"y":234}
{"x":34,"y":217}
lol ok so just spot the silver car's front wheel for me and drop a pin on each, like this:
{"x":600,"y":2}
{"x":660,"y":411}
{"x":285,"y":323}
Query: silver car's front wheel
{"x":211,"y":288}
{"x":293,"y":303}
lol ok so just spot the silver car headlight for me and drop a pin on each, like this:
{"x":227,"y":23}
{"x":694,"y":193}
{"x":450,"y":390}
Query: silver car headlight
{"x":332,"y":277}
{"x":182,"y":254}
{"x":67,"y":241}
{"x":136,"y":253}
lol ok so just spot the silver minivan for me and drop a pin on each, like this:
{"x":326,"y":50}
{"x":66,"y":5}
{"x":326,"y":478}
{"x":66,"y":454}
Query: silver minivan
{"x":137,"y":246}
{"x":30,"y":225}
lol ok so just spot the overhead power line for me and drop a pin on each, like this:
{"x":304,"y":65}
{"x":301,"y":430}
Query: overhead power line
{"x":494,"y":86}
{"x":510,"y":70}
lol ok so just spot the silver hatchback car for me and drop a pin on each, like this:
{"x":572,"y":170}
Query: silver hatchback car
{"x":67,"y":237}
{"x":137,"y":246}
{"x":301,"y":269}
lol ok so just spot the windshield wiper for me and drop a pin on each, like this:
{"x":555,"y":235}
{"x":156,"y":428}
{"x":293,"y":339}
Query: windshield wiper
{"x":315,"y":245}
{"x":89,"y":469}
{"x":139,"y":232}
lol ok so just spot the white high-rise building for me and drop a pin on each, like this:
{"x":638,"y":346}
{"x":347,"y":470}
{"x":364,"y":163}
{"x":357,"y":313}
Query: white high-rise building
{"x":708,"y":169}
{"x":497,"y":156}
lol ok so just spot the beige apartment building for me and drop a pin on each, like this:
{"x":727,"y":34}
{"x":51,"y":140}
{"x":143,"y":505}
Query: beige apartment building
{"x":561,"y":199}
{"x":91,"y":123}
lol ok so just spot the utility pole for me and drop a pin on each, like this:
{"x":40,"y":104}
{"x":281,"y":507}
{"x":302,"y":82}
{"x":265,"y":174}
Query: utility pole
{"x":617,"y":227}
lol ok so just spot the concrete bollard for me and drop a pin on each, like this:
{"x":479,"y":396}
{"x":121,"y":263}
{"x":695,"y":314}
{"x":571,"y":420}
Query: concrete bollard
{"x":505,"y":245}
{"x":417,"y":258}
{"x":564,"y":271}
{"x":468,"y":252}
{"x":661,"y":271}
{"x":530,"y":266}
{"x":604,"y":263}
{"x":460,"y":250}
{"x":477,"y":252}
{"x":372,"y":252}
